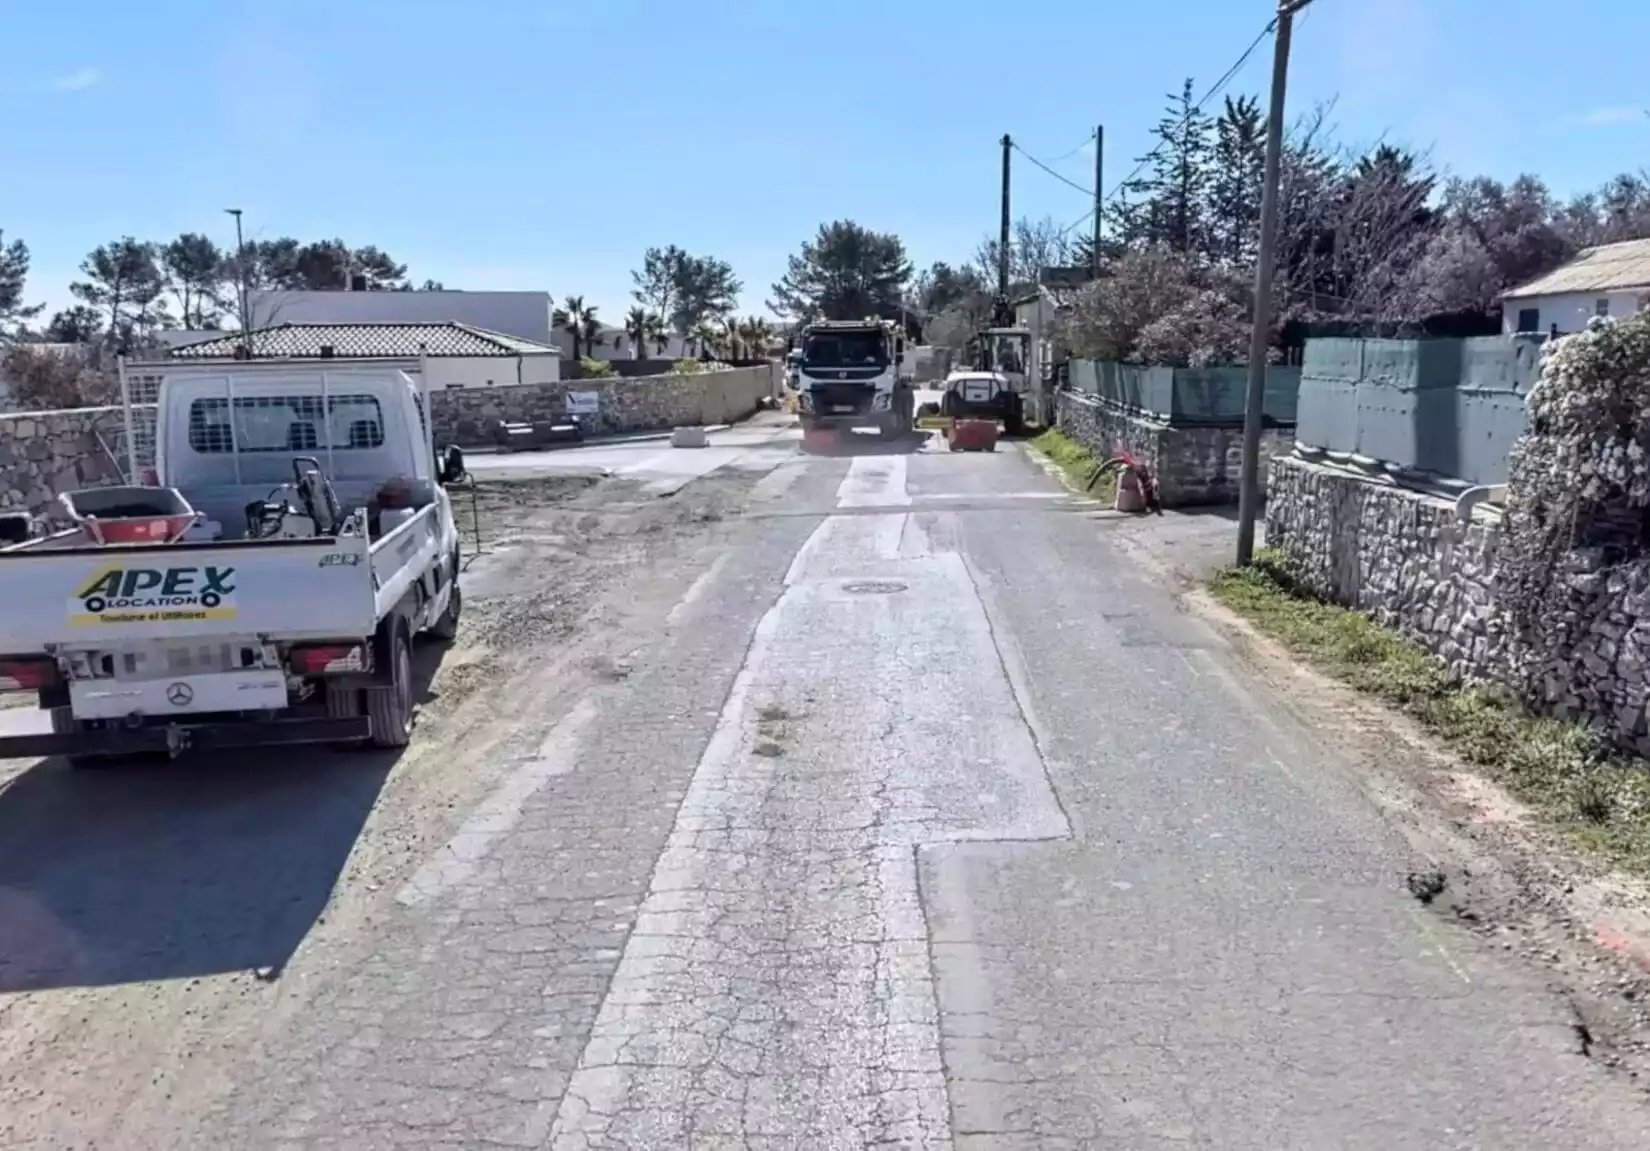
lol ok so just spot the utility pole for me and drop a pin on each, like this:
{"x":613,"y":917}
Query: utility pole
{"x":1254,"y":408}
{"x":241,"y":299}
{"x":1099,"y":194}
{"x":1003,"y":230}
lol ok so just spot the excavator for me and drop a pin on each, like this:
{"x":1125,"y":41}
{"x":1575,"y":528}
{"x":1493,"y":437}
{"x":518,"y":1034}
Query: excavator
{"x":1004,"y":351}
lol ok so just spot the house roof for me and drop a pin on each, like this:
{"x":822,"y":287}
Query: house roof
{"x":365,"y":341}
{"x":1606,"y":268}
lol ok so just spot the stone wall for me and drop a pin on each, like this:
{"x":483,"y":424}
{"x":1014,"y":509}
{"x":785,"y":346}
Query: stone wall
{"x":465,"y":416}
{"x":1196,"y":465}
{"x":1400,"y":555}
{"x":43,"y":454}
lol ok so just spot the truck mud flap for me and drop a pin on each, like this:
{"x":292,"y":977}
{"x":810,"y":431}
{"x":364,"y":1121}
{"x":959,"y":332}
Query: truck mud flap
{"x":182,"y":737}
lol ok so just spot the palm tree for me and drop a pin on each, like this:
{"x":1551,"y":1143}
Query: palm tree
{"x":659,"y":332}
{"x":730,"y":338}
{"x":592,"y":330}
{"x":638,"y":325}
{"x":577,"y":319}
{"x":764,"y":333}
{"x":704,"y":337}
{"x":756,"y":333}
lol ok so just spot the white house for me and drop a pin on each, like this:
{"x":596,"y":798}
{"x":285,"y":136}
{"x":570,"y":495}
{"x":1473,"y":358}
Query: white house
{"x":458,"y":355}
{"x":1610,"y":280}
{"x":525,"y":315}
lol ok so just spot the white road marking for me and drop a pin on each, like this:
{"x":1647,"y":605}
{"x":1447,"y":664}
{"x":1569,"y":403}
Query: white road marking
{"x":779,"y":481}
{"x":874,"y":481}
{"x":777,"y":979}
{"x":697,"y":589}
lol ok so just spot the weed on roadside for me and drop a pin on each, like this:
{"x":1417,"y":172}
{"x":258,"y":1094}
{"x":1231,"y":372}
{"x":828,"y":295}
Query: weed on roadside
{"x":1561,"y":770}
{"x":1076,"y":463}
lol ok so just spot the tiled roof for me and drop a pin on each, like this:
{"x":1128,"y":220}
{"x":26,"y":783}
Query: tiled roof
{"x":1607,"y":268}
{"x":366,"y":341}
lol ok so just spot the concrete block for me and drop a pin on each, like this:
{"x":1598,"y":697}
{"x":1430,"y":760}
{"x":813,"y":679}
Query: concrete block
{"x":689,"y":438}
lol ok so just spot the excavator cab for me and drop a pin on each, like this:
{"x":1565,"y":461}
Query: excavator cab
{"x":1006,"y":351}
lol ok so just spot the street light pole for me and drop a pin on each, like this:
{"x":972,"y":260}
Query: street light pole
{"x":241,"y":298}
{"x":1254,"y":408}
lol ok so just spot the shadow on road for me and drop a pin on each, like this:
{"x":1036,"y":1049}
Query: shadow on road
{"x":845,"y":444}
{"x":158,"y":870}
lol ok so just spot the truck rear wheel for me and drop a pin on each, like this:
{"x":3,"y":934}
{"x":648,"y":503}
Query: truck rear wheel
{"x":1014,"y":420}
{"x":55,"y":703}
{"x":63,"y":723}
{"x":390,"y":705}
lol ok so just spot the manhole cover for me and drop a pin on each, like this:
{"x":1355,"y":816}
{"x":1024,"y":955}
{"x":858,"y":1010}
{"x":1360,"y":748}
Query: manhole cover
{"x":874,"y":587}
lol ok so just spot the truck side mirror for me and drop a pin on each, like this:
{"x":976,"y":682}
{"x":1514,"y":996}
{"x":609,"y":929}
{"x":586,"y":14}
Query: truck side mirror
{"x":452,"y":464}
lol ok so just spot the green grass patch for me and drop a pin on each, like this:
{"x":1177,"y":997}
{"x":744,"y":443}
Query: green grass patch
{"x":1564,"y":772}
{"x":1075,"y":462}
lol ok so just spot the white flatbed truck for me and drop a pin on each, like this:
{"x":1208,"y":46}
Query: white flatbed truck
{"x":324,"y":541}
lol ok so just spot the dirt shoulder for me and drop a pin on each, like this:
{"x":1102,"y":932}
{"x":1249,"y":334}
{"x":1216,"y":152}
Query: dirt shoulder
{"x":154,"y":923}
{"x":1509,"y":839}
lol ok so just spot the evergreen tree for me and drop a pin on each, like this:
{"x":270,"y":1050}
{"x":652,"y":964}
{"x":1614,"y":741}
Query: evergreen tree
{"x":1175,"y":194}
{"x":1238,"y":165}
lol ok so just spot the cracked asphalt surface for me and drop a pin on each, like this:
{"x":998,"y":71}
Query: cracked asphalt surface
{"x":871,"y":800}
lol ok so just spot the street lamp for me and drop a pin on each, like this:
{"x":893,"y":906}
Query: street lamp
{"x":240,"y":285}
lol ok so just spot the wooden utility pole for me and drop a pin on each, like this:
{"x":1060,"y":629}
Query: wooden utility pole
{"x":1254,"y":408}
{"x":1004,"y":227}
{"x":1099,"y":195}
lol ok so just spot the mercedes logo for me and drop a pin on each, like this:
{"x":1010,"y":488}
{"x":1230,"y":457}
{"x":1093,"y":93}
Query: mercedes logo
{"x":180,"y":695}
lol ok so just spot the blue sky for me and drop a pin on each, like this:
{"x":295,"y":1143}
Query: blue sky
{"x":523,"y":144}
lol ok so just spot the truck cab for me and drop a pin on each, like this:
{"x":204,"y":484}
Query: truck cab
{"x":849,"y":376}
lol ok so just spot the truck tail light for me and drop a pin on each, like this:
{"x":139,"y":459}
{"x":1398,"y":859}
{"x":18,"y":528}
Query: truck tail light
{"x":26,"y":674}
{"x":329,"y":659}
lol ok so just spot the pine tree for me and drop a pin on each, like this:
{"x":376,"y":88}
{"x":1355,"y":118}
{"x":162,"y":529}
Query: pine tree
{"x":1238,"y":166}
{"x":1176,"y":192}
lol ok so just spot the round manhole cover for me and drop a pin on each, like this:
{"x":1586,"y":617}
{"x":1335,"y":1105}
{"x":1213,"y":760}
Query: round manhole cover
{"x":873,"y":587}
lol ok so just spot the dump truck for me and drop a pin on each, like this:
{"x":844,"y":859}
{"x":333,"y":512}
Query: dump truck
{"x":849,"y":376}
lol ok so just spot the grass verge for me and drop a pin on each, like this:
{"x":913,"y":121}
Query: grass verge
{"x":1564,"y":772}
{"x":1074,"y":461}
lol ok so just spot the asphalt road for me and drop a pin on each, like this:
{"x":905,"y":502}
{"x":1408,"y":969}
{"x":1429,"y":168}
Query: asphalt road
{"x":918,"y":815}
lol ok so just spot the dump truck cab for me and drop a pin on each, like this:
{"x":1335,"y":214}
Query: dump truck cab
{"x":849,"y":376}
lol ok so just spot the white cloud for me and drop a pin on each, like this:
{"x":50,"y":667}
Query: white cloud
{"x":79,"y":80}
{"x":1600,"y":117}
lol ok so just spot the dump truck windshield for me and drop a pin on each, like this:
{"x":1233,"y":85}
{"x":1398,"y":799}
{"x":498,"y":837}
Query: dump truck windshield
{"x":845,"y":350}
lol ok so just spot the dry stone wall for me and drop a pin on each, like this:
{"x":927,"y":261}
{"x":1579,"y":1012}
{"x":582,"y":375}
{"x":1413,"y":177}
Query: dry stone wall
{"x":1194,"y":465}
{"x":43,"y":454}
{"x":466,"y":416}
{"x":1401,"y":556}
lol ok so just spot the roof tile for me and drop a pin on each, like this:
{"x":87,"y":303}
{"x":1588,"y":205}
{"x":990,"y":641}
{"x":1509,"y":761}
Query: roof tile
{"x":1606,"y":268}
{"x":364,"y":341}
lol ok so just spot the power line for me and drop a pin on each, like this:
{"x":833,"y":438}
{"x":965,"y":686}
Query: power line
{"x":1213,"y":91}
{"x":1052,"y":172}
{"x":1061,"y":159}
